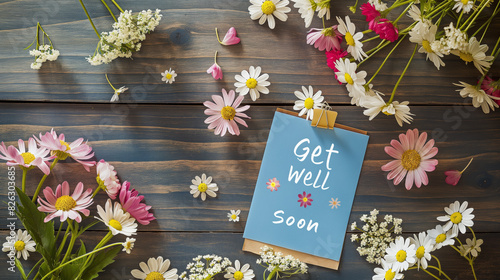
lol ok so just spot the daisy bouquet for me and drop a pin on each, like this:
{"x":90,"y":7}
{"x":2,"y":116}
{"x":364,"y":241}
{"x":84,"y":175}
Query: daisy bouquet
{"x":55,"y":219}
{"x":455,"y":28}
{"x":404,"y":254}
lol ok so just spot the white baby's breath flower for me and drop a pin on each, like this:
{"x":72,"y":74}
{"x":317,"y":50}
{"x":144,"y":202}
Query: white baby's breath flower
{"x":425,"y":36}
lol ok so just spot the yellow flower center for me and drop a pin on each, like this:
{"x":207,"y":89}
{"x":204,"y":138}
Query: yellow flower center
{"x":273,"y":184}
{"x":420,"y":252}
{"x":268,"y":7}
{"x":19,"y":245}
{"x":464,"y":2}
{"x":238,"y":275}
{"x":309,"y":103}
{"x":304,"y":199}
{"x":234,"y":216}
{"x":202,"y":187}
{"x":389,"y":274}
{"x":115,"y":224}
{"x":228,"y":113}
{"x":427,"y":46}
{"x":154,"y":276}
{"x":65,"y":203}
{"x":440,"y":238}
{"x":410,"y":160}
{"x":251,"y":83}
{"x":313,"y":5}
{"x":328,"y":32}
{"x":348,"y":78}
{"x":65,"y":144}
{"x":168,"y":76}
{"x":467,"y":57}
{"x":128,"y":245}
{"x":28,"y":157}
{"x":349,"y":39}
{"x":456,"y":218}
{"x":401,"y":256}
{"x":61,"y":154}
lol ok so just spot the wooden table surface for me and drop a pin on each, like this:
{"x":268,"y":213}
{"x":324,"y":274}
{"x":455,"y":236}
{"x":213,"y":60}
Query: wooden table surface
{"x":156,"y":138}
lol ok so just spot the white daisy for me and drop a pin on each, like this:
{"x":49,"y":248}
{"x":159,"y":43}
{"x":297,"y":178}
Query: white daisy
{"x":424,"y":245}
{"x":116,"y":219}
{"x":425,"y":35}
{"x":379,"y":5}
{"x":306,"y":10}
{"x":401,"y":254}
{"x":237,"y":273}
{"x":20,"y":244}
{"x":128,"y":245}
{"x":465,"y":5}
{"x":203,"y":186}
{"x":375,"y":104}
{"x":386,"y":272}
{"x":267,"y":10}
{"x":234,"y":216}
{"x":251,"y":81}
{"x":117,"y":93}
{"x":156,"y":269}
{"x":169,"y":76}
{"x":475,"y":53}
{"x":348,"y":29}
{"x":354,"y":81}
{"x":459,"y":217}
{"x":441,"y":237}
{"x":479,"y":97}
{"x":308,"y":102}
{"x":323,"y":8}
{"x":415,"y":13}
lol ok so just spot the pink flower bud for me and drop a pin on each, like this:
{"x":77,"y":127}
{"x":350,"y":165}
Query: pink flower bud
{"x":216,"y":71}
{"x":230,"y":39}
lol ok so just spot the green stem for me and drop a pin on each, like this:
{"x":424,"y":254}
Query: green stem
{"x":103,"y":241}
{"x":466,"y":168}
{"x":215,"y":57}
{"x":402,"y":74}
{"x":118,"y":6}
{"x":109,"y":10}
{"x":439,"y":263}
{"x":43,"y":180}
{"x":47,"y":35}
{"x":387,"y":57}
{"x":323,"y":18}
{"x":271,"y":275}
{"x":24,"y":180}
{"x":370,"y":39}
{"x":80,"y":257}
{"x":472,"y":267}
{"x":59,"y":231}
{"x":456,"y":249}
{"x":33,"y":268}
{"x":217,"y":34}
{"x":98,"y":188}
{"x":431,"y":274}
{"x":438,"y":8}
{"x":476,"y":13}
{"x":34,"y":39}
{"x":111,"y":86}
{"x":440,"y":271}
{"x":403,"y":13}
{"x":90,"y":19}
{"x":353,"y":8}
{"x":74,"y":235}
{"x":487,"y":23}
{"x":372,"y":52}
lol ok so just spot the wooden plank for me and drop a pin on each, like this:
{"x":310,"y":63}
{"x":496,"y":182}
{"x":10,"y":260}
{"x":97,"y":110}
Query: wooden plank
{"x":180,"y":248}
{"x":161,"y":148}
{"x":185,"y":45}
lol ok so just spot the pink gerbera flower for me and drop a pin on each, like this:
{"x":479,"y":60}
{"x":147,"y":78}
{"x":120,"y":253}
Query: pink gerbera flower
{"x":131,"y":203}
{"x":106,"y":178}
{"x":304,"y":199}
{"x":26,"y":159}
{"x":224,"y":113}
{"x":332,"y":56}
{"x":325,"y":39}
{"x":413,"y":159}
{"x":492,"y":88}
{"x":273,"y":184}
{"x":77,"y":150}
{"x":61,"y":204}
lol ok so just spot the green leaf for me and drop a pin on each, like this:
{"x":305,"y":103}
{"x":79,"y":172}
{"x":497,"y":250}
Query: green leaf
{"x":100,"y":261}
{"x":20,"y":268}
{"x":42,"y":233}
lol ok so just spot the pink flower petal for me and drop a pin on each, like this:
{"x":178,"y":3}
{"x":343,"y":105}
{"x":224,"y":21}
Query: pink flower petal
{"x":452,"y":177}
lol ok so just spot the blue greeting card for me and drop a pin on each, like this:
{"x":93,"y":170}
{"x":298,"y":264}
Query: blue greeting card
{"x":306,"y":187}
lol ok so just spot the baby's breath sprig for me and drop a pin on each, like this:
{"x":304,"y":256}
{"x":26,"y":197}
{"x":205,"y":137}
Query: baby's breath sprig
{"x":42,"y":52}
{"x":205,"y":267}
{"x":375,"y":236}
{"x":279,"y":266}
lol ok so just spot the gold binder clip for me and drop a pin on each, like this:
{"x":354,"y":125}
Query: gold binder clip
{"x":324,"y":117}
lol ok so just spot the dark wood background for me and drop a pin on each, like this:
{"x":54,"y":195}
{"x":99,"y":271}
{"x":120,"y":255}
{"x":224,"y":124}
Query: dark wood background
{"x":156,"y":139}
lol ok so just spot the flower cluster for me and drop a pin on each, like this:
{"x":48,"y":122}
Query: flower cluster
{"x":205,"y":267}
{"x":277,"y":265}
{"x":126,"y":37}
{"x":376,"y":236}
{"x":42,"y":54}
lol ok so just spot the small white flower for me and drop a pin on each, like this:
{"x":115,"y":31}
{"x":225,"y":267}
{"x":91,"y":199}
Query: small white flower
{"x":424,"y":246}
{"x":237,"y":273}
{"x":401,"y":254}
{"x":386,"y":272}
{"x":458,"y":217}
{"x":168,"y":76}
{"x":308,"y":101}
{"x":354,"y":81}
{"x":128,"y":245}
{"x":252,"y":81}
{"x":20,"y":244}
{"x":203,"y":186}
{"x":234,"y":216}
{"x":465,"y":5}
{"x":353,"y":39}
{"x":375,"y":104}
{"x":479,"y":97}
{"x":267,"y":10}
{"x":425,"y":36}
{"x":116,"y":219}
{"x":476,"y":53}
{"x":155,"y":269}
{"x":379,"y":5}
{"x":115,"y":96}
{"x":441,"y":237}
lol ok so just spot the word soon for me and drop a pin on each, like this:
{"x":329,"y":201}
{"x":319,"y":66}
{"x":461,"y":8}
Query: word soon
{"x":291,"y":220}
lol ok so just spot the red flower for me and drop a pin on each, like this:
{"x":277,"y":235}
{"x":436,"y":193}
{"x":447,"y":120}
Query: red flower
{"x":386,"y":30}
{"x":304,"y":200}
{"x":370,"y":12}
{"x":491,"y":88}
{"x":332,"y":56}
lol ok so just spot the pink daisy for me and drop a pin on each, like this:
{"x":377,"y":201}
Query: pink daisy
{"x":26,"y":159}
{"x":61,"y":204}
{"x":77,"y":150}
{"x":304,"y":199}
{"x":273,"y":184}
{"x":413,"y":159}
{"x":332,"y":56}
{"x":224,"y":113}
{"x":325,"y":39}
{"x":131,"y":203}
{"x":492,"y":88}
{"x":106,"y":178}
